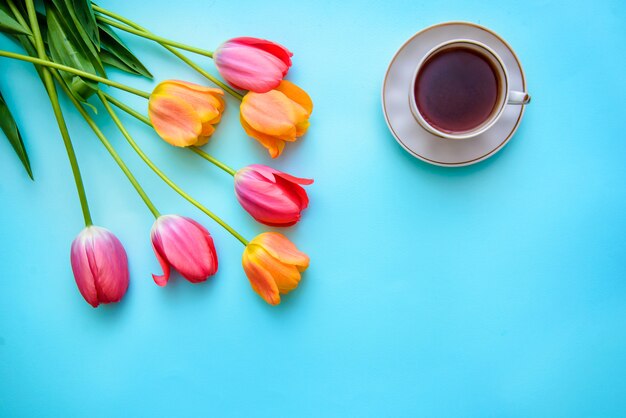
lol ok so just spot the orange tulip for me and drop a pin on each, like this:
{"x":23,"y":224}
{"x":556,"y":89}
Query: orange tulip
{"x":184,"y":114}
{"x":277,"y":116}
{"x":273,"y":265}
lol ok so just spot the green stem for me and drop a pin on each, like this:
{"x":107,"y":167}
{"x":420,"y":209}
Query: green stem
{"x":20,"y":19}
{"x":145,"y":120}
{"x":123,"y":106}
{"x":145,"y":33}
{"x":47,"y":63}
{"x":204,"y":73}
{"x":38,"y":43}
{"x":162,"y":175}
{"x":213,"y":160}
{"x":111,"y":150}
{"x":54,"y":100}
{"x":148,"y":35}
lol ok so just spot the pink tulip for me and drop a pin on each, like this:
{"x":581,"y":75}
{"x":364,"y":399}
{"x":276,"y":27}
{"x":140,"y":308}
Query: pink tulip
{"x":272,"y":197}
{"x":100,"y":266}
{"x":184,"y":244}
{"x":252,"y":64}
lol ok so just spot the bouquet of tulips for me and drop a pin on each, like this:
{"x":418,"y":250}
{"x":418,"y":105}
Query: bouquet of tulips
{"x":71,"y":42}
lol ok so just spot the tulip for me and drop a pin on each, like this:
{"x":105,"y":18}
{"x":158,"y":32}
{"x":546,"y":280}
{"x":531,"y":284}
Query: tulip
{"x":272,"y":197}
{"x":252,"y":64}
{"x":273,"y":265}
{"x":184,"y":114}
{"x":100,"y":266}
{"x":277,"y":116}
{"x":185,"y":245}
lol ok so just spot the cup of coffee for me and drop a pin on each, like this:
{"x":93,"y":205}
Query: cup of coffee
{"x":460,"y":89}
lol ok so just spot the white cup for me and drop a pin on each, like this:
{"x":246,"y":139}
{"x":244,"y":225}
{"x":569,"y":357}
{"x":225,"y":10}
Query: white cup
{"x":505,"y":96}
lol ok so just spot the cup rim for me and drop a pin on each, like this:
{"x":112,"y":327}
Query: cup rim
{"x":468,"y":134}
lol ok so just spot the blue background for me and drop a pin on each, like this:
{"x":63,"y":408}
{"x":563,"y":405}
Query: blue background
{"x":492,"y":290}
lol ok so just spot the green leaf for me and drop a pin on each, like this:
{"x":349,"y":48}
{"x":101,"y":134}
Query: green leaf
{"x":83,"y":17}
{"x":73,"y":29}
{"x":112,"y":60}
{"x":65,"y":49}
{"x":8,"y":24}
{"x":27,"y":44}
{"x":9,"y":127}
{"x":115,"y":53}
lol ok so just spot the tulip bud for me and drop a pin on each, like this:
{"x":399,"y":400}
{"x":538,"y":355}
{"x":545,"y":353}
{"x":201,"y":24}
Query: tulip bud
{"x":184,"y":114}
{"x":273,"y":265}
{"x":100,"y":266}
{"x":184,"y":244}
{"x":252,"y":64}
{"x":277,"y":116}
{"x":272,"y":197}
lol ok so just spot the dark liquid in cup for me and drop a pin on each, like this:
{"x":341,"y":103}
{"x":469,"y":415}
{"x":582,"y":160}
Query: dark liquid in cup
{"x":456,"y":90}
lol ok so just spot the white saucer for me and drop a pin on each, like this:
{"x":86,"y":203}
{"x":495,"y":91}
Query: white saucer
{"x":410,"y":134}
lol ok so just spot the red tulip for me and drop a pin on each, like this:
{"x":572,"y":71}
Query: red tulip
{"x":100,"y":266}
{"x":272,"y":197}
{"x":252,"y":64}
{"x":184,"y":244}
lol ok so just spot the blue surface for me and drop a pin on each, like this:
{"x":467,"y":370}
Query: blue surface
{"x":492,"y":290}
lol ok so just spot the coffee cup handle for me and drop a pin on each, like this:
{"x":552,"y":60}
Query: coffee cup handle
{"x":518,"y":98}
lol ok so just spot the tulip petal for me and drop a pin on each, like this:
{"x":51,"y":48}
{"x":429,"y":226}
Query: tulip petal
{"x":183,"y":113}
{"x":273,"y":145}
{"x":185,"y":245}
{"x":250,"y":69}
{"x":211,"y":254}
{"x":269,"y":196}
{"x":109,"y":264}
{"x":206,"y":101}
{"x":294,"y":192}
{"x":274,"y":116}
{"x":252,"y":64}
{"x":170,"y":85}
{"x":273,"y":48}
{"x":302,"y":127}
{"x":100,"y":266}
{"x":202,"y":140}
{"x":281,"y":248}
{"x":268,"y":205}
{"x":165,"y":265}
{"x":207,"y":131}
{"x":294,"y":179}
{"x":174,"y":120}
{"x":271,"y":113}
{"x":260,"y":279}
{"x":82,"y":272}
{"x":270,"y":174}
{"x":296,"y":94}
{"x":286,"y":276}
{"x":273,"y":192}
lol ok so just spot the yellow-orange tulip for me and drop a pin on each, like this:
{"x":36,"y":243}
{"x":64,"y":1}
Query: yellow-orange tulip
{"x":276,"y":116}
{"x":184,"y":114}
{"x":273,"y":265}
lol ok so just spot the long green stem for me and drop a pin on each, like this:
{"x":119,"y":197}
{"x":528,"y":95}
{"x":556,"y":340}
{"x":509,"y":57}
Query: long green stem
{"x":123,"y":106}
{"x":204,"y":73}
{"x":213,"y":160}
{"x":82,"y":111}
{"x":145,"y":120}
{"x":146,"y":34}
{"x":54,"y":100}
{"x":47,"y":63}
{"x":92,"y":124}
{"x":162,"y":175}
